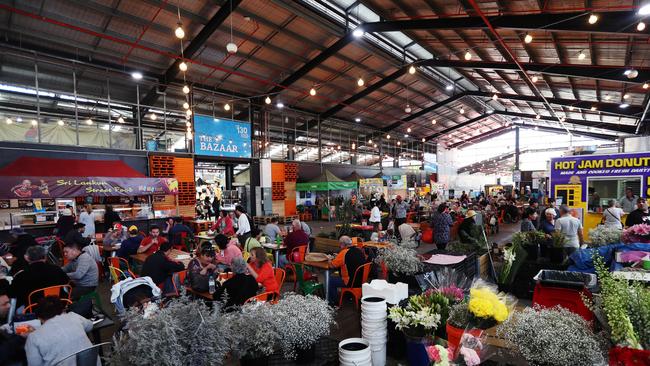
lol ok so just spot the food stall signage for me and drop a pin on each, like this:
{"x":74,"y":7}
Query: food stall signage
{"x":53,"y":187}
{"x":222,"y":137}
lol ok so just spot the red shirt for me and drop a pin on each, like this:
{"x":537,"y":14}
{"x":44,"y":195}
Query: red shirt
{"x":154,"y":248}
{"x":266,"y":277}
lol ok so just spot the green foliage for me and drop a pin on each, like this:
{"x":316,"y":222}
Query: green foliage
{"x":558,"y":239}
{"x":345,"y":213}
{"x":459,"y":315}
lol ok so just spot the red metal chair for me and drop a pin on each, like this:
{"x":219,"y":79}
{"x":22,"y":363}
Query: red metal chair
{"x":271,"y":297}
{"x":361,"y":273}
{"x":280,"y":275}
{"x":60,"y":291}
{"x":297,"y":255}
{"x":122,"y":264}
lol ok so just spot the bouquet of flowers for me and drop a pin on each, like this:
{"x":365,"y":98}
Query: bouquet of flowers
{"x":422,"y":314}
{"x":473,"y":350}
{"x":487,"y":307}
{"x":400,"y":260}
{"x":438,"y":355}
{"x":453,"y":293}
{"x":509,"y":256}
{"x":604,"y":235}
{"x":636,"y":234}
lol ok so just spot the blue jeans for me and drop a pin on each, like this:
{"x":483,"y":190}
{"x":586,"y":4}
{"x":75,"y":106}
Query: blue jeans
{"x":333,"y":290}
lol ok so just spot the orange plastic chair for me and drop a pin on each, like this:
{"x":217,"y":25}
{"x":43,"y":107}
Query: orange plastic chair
{"x":122,"y":264}
{"x":357,"y":241}
{"x":30,"y":309}
{"x":60,"y":291}
{"x":271,"y":297}
{"x":280,"y":275}
{"x":60,"y":244}
{"x":364,"y":272}
{"x":179,"y":278}
{"x":117,"y":274}
{"x":297,"y":255}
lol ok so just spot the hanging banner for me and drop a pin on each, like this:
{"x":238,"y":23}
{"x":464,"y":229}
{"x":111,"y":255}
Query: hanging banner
{"x":221,"y":137}
{"x":53,"y":187}
{"x":576,"y":169}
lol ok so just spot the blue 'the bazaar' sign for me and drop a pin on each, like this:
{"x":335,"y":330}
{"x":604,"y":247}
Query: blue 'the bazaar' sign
{"x":222,"y":137}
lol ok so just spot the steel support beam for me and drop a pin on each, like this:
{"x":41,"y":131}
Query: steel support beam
{"x":192,"y":48}
{"x":627,"y":129}
{"x":482,"y":137}
{"x":577,"y":133}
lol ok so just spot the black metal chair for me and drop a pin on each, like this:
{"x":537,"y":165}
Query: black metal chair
{"x":85,"y":357}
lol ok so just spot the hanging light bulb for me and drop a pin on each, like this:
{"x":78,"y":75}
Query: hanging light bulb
{"x":60,"y":122}
{"x":182,"y":66}
{"x":412,"y":70}
{"x":528,"y":38}
{"x":312,"y":92}
{"x":449,"y":87}
{"x":179,"y":31}
{"x":188,"y":124}
{"x":360,"y":82}
{"x":534,"y":78}
{"x":408,"y":130}
{"x":433,"y":121}
{"x":608,"y":97}
{"x":280,"y":105}
{"x":267,"y":100}
{"x":538,"y":116}
{"x":640,"y":27}
{"x":153,"y":117}
{"x":387,"y":137}
{"x":231,"y":47}
{"x":407,"y":109}
{"x":423,"y":139}
{"x":354,"y":146}
{"x":631,"y":73}
{"x":593,"y":108}
{"x":374,"y":145}
{"x":120,"y":119}
{"x":581,"y":55}
{"x":34,"y":122}
{"x":570,"y":107}
{"x":398,"y":143}
{"x":462,"y":110}
{"x":89,"y":121}
{"x":188,"y":112}
{"x":186,"y":89}
{"x":626,"y":96}
{"x":495,"y":97}
{"x":357,"y":119}
{"x":226,"y":107}
{"x":369,"y":141}
{"x":536,"y":128}
{"x":645,"y":85}
{"x":189,"y":135}
{"x":9,"y":121}
{"x":468,"y":56}
{"x":593,"y":18}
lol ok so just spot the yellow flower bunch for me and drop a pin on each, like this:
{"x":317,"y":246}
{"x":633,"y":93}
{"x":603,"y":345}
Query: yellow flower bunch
{"x":484,"y":303}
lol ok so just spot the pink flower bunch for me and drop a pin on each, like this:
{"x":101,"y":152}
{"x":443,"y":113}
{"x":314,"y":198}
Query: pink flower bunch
{"x":470,"y":356}
{"x":434,"y":353}
{"x":453,"y":293}
{"x":637,"y":234}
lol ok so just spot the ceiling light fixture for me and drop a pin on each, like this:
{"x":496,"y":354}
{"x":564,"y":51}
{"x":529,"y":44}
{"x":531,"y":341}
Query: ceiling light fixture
{"x":267,"y":100}
{"x":120,"y":119}
{"x":406,"y":135}
{"x":19,"y":119}
{"x":631,"y":73}
{"x":179,"y":31}
{"x":640,"y":27}
{"x":433,"y":121}
{"x":528,"y":38}
{"x":369,"y":142}
{"x":60,"y":122}
{"x":536,"y":128}
{"x":571,"y":108}
{"x":490,"y":111}
{"x":279,"y":105}
{"x":398,"y":143}
{"x":624,"y":105}
{"x":412,"y":70}
{"x":9,"y":121}
{"x":188,"y":112}
{"x":468,"y":56}
{"x":593,"y":108}
{"x":626,"y":96}
{"x":423,"y":139}
{"x":182,"y":66}
{"x":226,"y":107}
{"x":34,"y":122}
{"x":358,"y":32}
{"x":462,"y":111}
{"x":449,"y":87}
{"x":186,"y":89}
{"x":495,"y":97}
{"x":608,"y":97}
{"x":534,"y":78}
{"x":408,"y":130}
{"x":645,"y":85}
{"x":593,"y":18}
{"x":407,"y":109}
{"x":645,"y":10}
{"x":360,"y":82}
{"x":136,"y":75}
{"x":357,"y":119}
{"x":186,"y":105}
{"x":89,"y":121}
{"x":581,"y":55}
{"x":387,"y":137}
{"x":538,"y":116}
{"x":153,"y":116}
{"x":231,"y":47}
{"x":312,"y":92}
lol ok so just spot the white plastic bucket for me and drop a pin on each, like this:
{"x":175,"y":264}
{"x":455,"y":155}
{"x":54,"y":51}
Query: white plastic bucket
{"x":379,"y":357}
{"x":358,"y":356}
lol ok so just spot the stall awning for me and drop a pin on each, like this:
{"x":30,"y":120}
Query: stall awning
{"x":325,"y":182}
{"x":58,"y":178}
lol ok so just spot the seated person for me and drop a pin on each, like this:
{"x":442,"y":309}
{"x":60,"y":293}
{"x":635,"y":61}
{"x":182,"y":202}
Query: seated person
{"x":81,"y":269}
{"x":260,"y":268}
{"x":253,"y":241}
{"x":348,"y":260}
{"x":131,"y":245}
{"x":115,"y":236}
{"x":201,"y":268}
{"x":12,"y":347}
{"x":77,"y":235}
{"x":295,"y":238}
{"x":466,"y":230}
{"x":228,"y":249}
{"x":407,"y":233}
{"x":60,"y":335}
{"x":272,"y":230}
{"x":38,"y":274}
{"x":176,"y":232}
{"x":151,"y":243}
{"x":19,"y":241}
{"x":160,"y":268}
{"x":239,"y":288}
{"x":224,"y":225}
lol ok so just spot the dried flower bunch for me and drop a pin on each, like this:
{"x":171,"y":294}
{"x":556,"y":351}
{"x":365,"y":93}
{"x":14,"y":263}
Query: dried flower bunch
{"x":603,"y":235}
{"x":255,"y":331}
{"x":400,"y":260}
{"x":636,"y":234}
{"x":184,"y":332}
{"x":459,"y":316}
{"x":552,"y":337}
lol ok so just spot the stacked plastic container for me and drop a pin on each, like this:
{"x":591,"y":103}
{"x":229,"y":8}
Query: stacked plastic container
{"x":354,"y":352}
{"x":374,"y":327}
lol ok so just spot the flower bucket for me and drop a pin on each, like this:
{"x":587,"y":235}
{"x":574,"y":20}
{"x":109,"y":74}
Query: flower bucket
{"x":306,"y":356}
{"x":416,"y":352}
{"x":623,"y":356}
{"x":531,"y":251}
{"x":254,"y":361}
{"x":556,"y":255}
{"x":455,"y":334}
{"x":396,"y":346}
{"x":355,"y":351}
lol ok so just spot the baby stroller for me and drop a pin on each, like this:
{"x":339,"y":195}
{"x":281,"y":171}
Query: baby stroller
{"x":133,"y":292}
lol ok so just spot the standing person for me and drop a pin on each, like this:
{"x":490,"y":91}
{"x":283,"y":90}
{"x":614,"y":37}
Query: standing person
{"x":216,"y":205}
{"x":612,"y":215}
{"x":65,"y":223}
{"x":530,"y":216}
{"x":375,"y":217}
{"x":38,"y":274}
{"x":260,"y":268}
{"x":401,"y":209}
{"x":628,"y":202}
{"x":239,"y":288}
{"x":243,"y":226}
{"x":224,"y":225}
{"x":60,"y":335}
{"x":640,"y":215}
{"x":442,"y":224}
{"x":76,"y":235}
{"x":571,"y":227}
{"x":151,"y":243}
{"x":348,"y":260}
{"x":87,"y":218}
{"x":272,"y":230}
{"x":81,"y":269}
{"x":160,"y":268}
{"x":110,"y":217}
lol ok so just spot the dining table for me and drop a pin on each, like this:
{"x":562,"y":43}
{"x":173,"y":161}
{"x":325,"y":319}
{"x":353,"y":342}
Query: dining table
{"x":324,"y":266}
{"x":177,"y":255}
{"x":275,"y":249}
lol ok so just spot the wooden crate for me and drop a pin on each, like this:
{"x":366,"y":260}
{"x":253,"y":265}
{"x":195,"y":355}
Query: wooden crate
{"x":186,"y":211}
{"x":325,"y":245}
{"x":278,"y":208}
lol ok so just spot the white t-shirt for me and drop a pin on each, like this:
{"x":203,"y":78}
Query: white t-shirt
{"x":569,"y":226}
{"x":375,"y":214}
{"x":406,"y":232}
{"x":612,"y":217}
{"x":89,"y":220}
{"x":243,"y":226}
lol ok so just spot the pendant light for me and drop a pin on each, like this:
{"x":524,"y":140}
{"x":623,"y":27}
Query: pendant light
{"x":645,"y":85}
{"x":433,"y":121}
{"x":581,"y":55}
{"x":226,"y":107}
{"x":60,"y":122}
{"x":468,"y":56}
{"x":640,"y":27}
{"x":312,"y":92}
{"x":495,"y":97}
{"x":231,"y":47}
{"x":179,"y":31}
{"x":593,"y":18}
{"x":182,"y":66}
{"x":360,"y":82}
{"x":120,"y":119}
{"x":528,"y":38}
{"x":186,"y":105}
{"x":186,"y":89}
{"x":412,"y":70}
{"x":534,"y":78}
{"x":267,"y":100}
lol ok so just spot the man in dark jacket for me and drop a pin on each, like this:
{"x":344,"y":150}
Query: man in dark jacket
{"x":19,"y":242}
{"x":77,"y":235}
{"x":12,"y":347}
{"x":239,"y":288}
{"x":37,"y":275}
{"x":640,"y":215}
{"x":160,"y":268}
